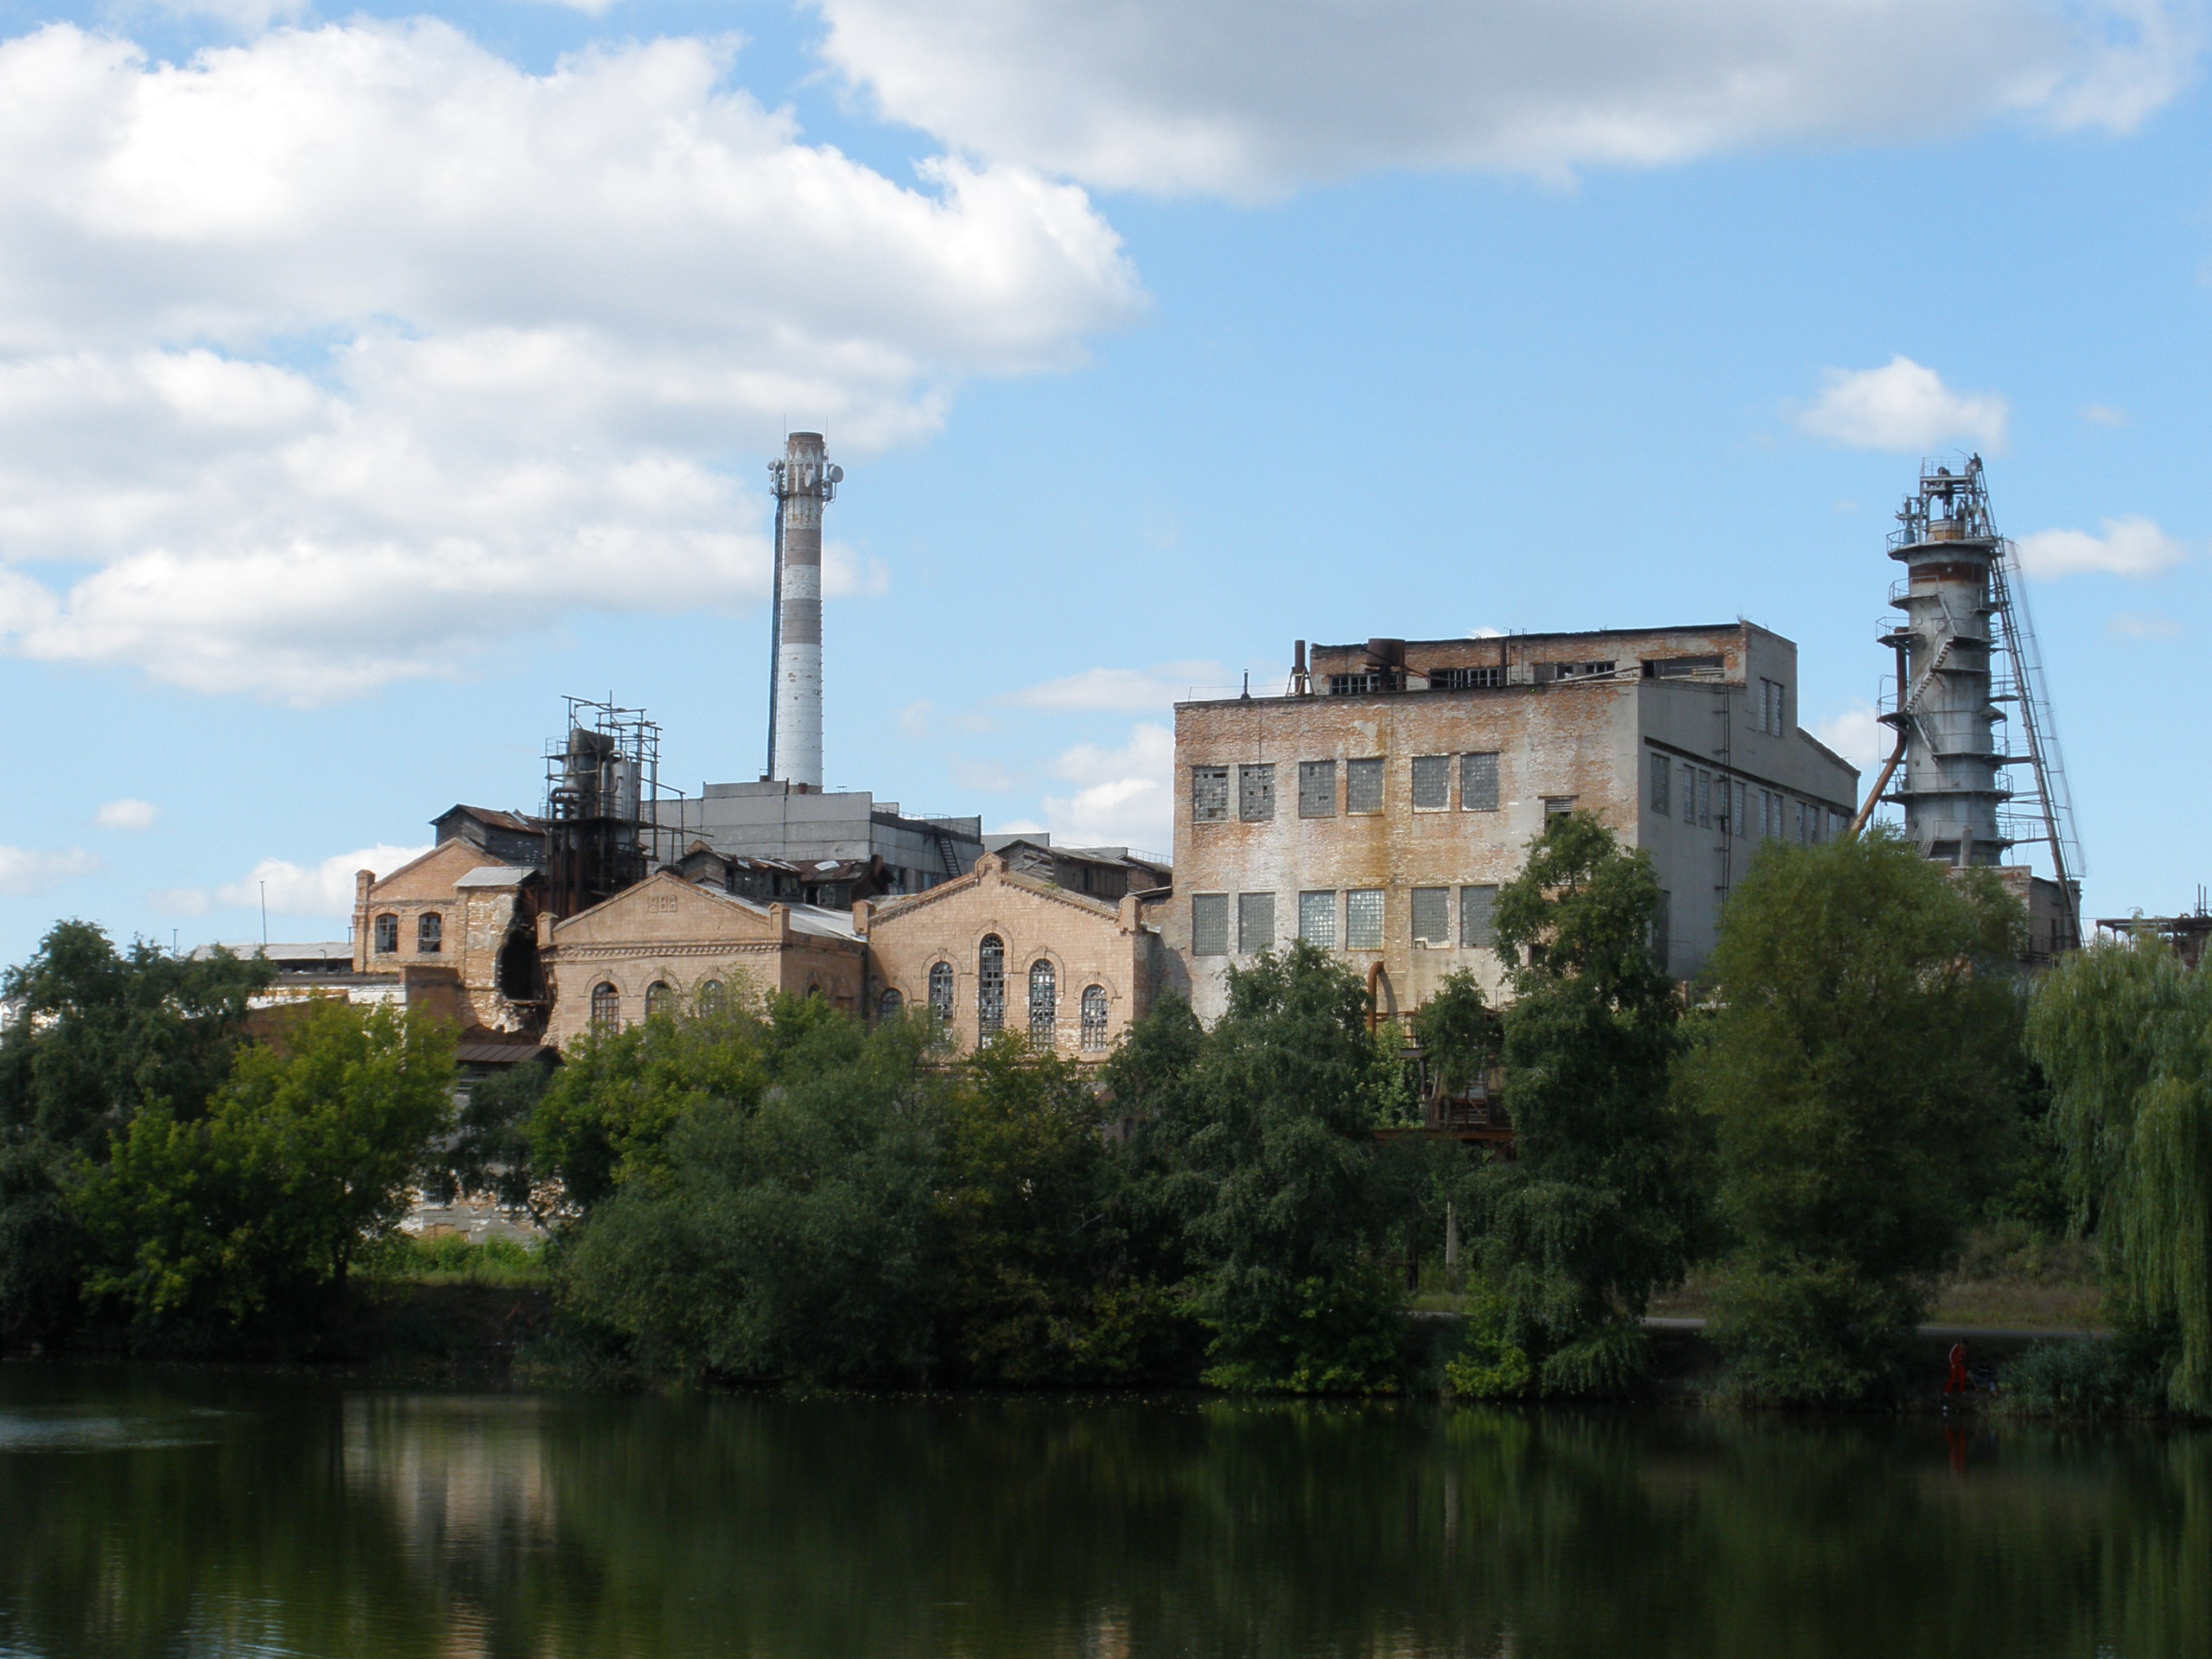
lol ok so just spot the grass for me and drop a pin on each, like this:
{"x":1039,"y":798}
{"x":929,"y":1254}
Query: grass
{"x":451,"y":1259}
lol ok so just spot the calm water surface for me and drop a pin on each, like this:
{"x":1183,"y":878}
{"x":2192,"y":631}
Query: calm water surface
{"x":156,"y":1513}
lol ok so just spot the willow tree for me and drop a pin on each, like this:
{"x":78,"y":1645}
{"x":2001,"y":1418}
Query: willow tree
{"x":2123,"y":1033}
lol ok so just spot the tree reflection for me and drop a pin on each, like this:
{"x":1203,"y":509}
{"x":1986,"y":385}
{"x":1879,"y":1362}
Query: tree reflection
{"x":239,"y":1515}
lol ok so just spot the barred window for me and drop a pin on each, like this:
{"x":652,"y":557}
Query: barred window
{"x":1255,"y":922}
{"x":890,"y":1005}
{"x":1094,"y":1018}
{"x":656,"y":998}
{"x":1208,"y":794}
{"x":1317,"y":788}
{"x":1431,"y":783}
{"x":1478,"y":782}
{"x":1364,"y":919}
{"x":990,"y":986}
{"x":1363,"y":786}
{"x":387,"y":935}
{"x":1209,"y":924}
{"x":941,"y":992}
{"x":1661,"y":775}
{"x":430,"y":932}
{"x":1255,"y":793}
{"x":1043,"y":1005}
{"x":606,"y":1007}
{"x":1317,"y":920}
{"x":1432,"y":916}
{"x":1476,"y":907}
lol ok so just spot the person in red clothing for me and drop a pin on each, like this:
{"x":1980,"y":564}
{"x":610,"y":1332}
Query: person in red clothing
{"x":1956,"y":1382}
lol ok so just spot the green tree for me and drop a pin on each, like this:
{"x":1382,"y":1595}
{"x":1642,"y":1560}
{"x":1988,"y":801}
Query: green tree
{"x":1271,"y":1158}
{"x":308,"y":1153}
{"x":1862,"y":1074}
{"x":783,"y":1222}
{"x":104,"y":1034}
{"x":2124,"y":1033}
{"x":1598,"y":1207}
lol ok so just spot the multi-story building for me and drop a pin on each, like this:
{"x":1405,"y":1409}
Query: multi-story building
{"x":802,"y":826}
{"x":1376,"y":809}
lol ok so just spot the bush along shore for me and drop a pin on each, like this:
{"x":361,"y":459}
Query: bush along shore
{"x":1861,"y":1097}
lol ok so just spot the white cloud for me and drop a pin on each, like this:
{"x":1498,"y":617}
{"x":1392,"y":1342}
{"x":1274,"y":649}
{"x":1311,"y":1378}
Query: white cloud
{"x":1903,"y":408}
{"x":2129,"y":547}
{"x":2103,"y":415}
{"x":134,"y":816}
{"x":331,"y":359}
{"x":324,"y":889}
{"x":1122,"y":796}
{"x":1250,"y":98}
{"x":1120,"y":691}
{"x":1857,"y":736}
{"x":26,"y":871}
{"x":2143,"y":624}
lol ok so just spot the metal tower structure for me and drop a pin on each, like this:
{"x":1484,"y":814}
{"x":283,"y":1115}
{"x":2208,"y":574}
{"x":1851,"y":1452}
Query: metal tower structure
{"x":1966,"y":654}
{"x":804,"y":482}
{"x":601,"y":780}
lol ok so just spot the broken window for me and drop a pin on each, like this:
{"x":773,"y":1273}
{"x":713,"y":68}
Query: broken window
{"x":1363,"y":786}
{"x":1478,"y":782}
{"x":1679,"y":668}
{"x":1255,"y":793}
{"x":1043,"y":1005}
{"x":606,"y":1007}
{"x":1465,"y":679}
{"x":1317,"y":788}
{"x":1661,"y":771}
{"x":1431,"y":783}
{"x":1476,"y":905}
{"x":1432,"y":916}
{"x":1364,"y":919}
{"x":1255,"y":922}
{"x":430,"y":932}
{"x":1208,"y":794}
{"x":990,"y":988}
{"x":1353,"y":685}
{"x":1317,"y":920}
{"x":1094,"y":1018}
{"x":1209,"y":924}
{"x":708,"y":999}
{"x":941,"y":992}
{"x":387,"y":935}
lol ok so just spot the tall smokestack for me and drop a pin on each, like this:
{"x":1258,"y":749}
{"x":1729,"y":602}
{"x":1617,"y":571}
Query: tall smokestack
{"x":803,"y":480}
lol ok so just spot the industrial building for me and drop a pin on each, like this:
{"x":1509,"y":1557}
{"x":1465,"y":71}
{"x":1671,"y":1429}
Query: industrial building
{"x":1375,"y":808}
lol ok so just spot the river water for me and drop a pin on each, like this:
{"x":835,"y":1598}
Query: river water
{"x":161,"y":1512}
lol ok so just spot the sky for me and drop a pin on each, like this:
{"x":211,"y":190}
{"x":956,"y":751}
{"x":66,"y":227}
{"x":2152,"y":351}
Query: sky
{"x":370,"y":379}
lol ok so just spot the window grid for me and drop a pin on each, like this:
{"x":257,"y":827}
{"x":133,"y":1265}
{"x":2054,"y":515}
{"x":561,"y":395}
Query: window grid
{"x":1317,"y":788}
{"x":1431,"y":783}
{"x":1431,"y":909}
{"x":1255,"y":922}
{"x":1208,"y":794}
{"x":1662,"y":774}
{"x":387,"y":935}
{"x":941,"y":992}
{"x":1255,"y":793}
{"x":656,"y":998}
{"x":1364,"y":919}
{"x":606,"y":1007}
{"x":1477,"y":905}
{"x":1363,"y":786}
{"x":990,"y":986}
{"x":430,"y":932}
{"x":1705,"y":800}
{"x":1043,"y":1005}
{"x":1209,"y":924}
{"x":708,"y":998}
{"x":890,"y":1005}
{"x":1478,"y":782}
{"x":1317,"y":920}
{"x":1094,"y":1018}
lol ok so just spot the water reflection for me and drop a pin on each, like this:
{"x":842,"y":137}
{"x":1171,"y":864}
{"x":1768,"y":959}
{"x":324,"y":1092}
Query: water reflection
{"x":298,"y":1519}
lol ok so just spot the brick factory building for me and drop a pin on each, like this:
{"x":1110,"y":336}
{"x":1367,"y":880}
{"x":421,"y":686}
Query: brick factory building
{"x":1375,"y":808}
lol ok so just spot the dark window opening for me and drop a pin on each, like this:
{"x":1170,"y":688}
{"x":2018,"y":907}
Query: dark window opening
{"x":387,"y":931}
{"x":430,"y":932}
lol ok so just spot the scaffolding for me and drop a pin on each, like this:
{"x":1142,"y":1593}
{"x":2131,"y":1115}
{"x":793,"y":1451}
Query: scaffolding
{"x":602,"y":798}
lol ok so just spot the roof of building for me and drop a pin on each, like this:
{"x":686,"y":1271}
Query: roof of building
{"x":493,"y":817}
{"x":497,"y":875}
{"x":317,"y":950}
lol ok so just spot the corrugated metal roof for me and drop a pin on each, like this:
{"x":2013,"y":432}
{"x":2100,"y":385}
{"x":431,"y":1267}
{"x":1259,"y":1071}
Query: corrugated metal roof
{"x":496,"y":875}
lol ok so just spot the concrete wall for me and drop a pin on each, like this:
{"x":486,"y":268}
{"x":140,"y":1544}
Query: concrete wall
{"x":1087,"y":941}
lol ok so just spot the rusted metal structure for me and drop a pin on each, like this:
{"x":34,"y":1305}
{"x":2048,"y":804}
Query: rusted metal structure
{"x":1969,"y":686}
{"x":602,"y":782}
{"x":804,"y":482}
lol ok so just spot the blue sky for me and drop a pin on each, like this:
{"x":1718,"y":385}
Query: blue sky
{"x":368,"y":382}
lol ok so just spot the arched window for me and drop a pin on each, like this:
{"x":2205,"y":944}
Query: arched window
{"x":708,"y":998}
{"x":1044,"y":1005}
{"x":1094,"y":1018}
{"x":430,"y":932}
{"x":990,"y":986}
{"x":387,"y":935}
{"x":890,"y":1005}
{"x":657,"y":998}
{"x":941,"y":992}
{"x":606,"y":1006}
